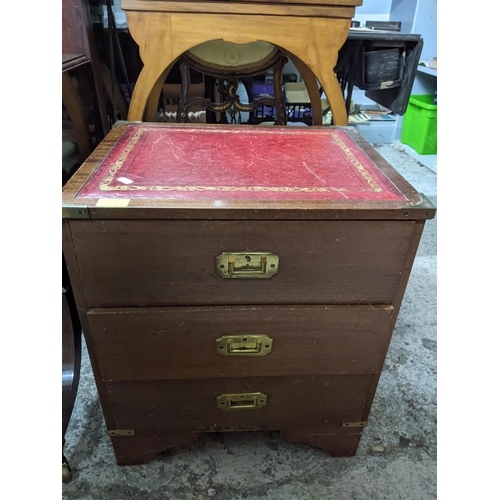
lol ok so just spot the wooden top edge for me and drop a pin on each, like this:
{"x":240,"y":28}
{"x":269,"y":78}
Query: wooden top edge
{"x":332,"y":3}
{"x":241,"y":8}
{"x":101,"y":311}
{"x":360,"y":214}
{"x":383,"y":35}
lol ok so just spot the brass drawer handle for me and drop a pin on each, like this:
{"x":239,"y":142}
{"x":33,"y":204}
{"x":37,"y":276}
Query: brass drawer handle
{"x":244,"y":345}
{"x":247,"y":264}
{"x":242,"y":401}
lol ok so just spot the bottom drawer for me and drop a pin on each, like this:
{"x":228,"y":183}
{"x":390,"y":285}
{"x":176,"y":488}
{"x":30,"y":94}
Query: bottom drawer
{"x":197,"y":406}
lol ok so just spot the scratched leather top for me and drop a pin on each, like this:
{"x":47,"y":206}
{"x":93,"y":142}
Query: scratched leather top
{"x":221,"y":163}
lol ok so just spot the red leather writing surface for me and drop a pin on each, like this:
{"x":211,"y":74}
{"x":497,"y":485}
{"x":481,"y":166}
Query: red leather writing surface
{"x":238,"y":163}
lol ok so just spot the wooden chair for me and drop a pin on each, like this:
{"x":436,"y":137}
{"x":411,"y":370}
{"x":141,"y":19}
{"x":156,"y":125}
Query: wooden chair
{"x":230,"y":65}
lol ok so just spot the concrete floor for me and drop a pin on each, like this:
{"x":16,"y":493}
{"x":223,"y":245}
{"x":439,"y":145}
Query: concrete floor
{"x":259,"y":466}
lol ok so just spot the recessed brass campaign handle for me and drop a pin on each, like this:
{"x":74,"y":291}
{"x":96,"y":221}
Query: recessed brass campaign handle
{"x":247,"y":264}
{"x":244,"y":345}
{"x":242,"y":401}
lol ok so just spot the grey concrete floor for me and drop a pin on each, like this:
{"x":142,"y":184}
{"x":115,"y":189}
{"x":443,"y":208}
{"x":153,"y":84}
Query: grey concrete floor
{"x":260,"y":466}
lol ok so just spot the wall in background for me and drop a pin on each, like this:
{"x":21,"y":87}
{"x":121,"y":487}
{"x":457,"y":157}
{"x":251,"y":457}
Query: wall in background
{"x":404,"y":11}
{"x":425,"y":23}
{"x":373,"y":10}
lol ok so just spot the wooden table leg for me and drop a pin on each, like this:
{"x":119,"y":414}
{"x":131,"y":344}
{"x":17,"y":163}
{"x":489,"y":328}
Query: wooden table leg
{"x":312,"y":88}
{"x":152,"y":101}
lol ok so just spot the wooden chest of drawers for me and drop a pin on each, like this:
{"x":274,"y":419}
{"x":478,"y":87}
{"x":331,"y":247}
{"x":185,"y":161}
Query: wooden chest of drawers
{"x":233,"y":278}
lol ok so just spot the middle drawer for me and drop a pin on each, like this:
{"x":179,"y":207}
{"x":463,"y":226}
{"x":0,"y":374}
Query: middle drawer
{"x":140,"y":344}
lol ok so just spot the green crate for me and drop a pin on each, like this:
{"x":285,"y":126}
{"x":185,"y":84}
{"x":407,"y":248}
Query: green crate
{"x":420,"y":125}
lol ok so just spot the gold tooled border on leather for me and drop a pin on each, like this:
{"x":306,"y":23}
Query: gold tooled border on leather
{"x":122,"y":158}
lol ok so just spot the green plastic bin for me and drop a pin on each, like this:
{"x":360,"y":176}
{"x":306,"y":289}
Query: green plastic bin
{"x":420,"y":124}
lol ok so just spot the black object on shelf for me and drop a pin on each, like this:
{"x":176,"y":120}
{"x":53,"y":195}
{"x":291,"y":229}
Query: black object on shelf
{"x":384,"y":64}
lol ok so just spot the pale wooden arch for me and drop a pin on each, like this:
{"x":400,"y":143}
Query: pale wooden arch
{"x":163,"y":37}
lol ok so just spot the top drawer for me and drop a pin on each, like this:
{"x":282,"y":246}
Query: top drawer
{"x":165,"y":262}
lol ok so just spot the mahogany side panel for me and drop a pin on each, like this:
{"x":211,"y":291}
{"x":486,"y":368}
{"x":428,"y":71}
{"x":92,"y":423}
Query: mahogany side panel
{"x":70,"y":259}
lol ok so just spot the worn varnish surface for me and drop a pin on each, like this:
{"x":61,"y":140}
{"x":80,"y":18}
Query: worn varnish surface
{"x":181,"y":405}
{"x":153,"y":263}
{"x":74,"y":28}
{"x":179,"y":342}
